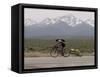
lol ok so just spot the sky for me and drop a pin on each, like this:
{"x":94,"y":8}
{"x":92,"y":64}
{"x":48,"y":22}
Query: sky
{"x":37,"y":15}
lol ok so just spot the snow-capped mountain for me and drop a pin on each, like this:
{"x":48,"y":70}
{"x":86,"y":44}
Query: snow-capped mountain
{"x":70,"y":19}
{"x":66,"y":26}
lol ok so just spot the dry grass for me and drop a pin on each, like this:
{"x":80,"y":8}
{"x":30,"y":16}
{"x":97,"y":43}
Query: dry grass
{"x":36,"y":54}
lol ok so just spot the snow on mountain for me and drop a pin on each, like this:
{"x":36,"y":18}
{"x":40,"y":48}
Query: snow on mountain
{"x":48,"y":21}
{"x":29,"y":22}
{"x":69,"y":19}
{"x":90,"y":21}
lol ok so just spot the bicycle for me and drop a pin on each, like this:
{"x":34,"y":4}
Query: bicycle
{"x":55,"y":51}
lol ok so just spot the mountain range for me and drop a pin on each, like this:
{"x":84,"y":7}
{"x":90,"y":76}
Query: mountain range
{"x":66,"y":26}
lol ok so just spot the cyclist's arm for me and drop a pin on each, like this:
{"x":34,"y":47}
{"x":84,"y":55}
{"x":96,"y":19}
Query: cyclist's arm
{"x":56,"y":45}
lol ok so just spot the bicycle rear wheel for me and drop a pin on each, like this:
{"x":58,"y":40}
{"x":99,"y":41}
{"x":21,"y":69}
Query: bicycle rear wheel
{"x":54,"y":52}
{"x":66,"y":53}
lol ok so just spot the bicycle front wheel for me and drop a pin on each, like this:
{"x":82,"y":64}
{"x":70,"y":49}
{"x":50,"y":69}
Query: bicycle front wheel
{"x":53,"y":52}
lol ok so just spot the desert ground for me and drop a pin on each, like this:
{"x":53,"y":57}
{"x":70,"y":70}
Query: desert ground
{"x":49,"y":62}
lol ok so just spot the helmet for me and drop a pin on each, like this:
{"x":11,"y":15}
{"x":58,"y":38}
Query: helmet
{"x":60,"y":40}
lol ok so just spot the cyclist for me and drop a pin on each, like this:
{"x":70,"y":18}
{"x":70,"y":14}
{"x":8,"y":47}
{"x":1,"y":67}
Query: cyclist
{"x":60,"y":45}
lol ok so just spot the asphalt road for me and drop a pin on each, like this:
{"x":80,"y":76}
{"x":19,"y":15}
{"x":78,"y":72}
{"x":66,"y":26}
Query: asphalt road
{"x":49,"y":62}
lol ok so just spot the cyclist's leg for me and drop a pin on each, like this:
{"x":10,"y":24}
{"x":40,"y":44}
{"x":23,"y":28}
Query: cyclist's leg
{"x":62,"y":52}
